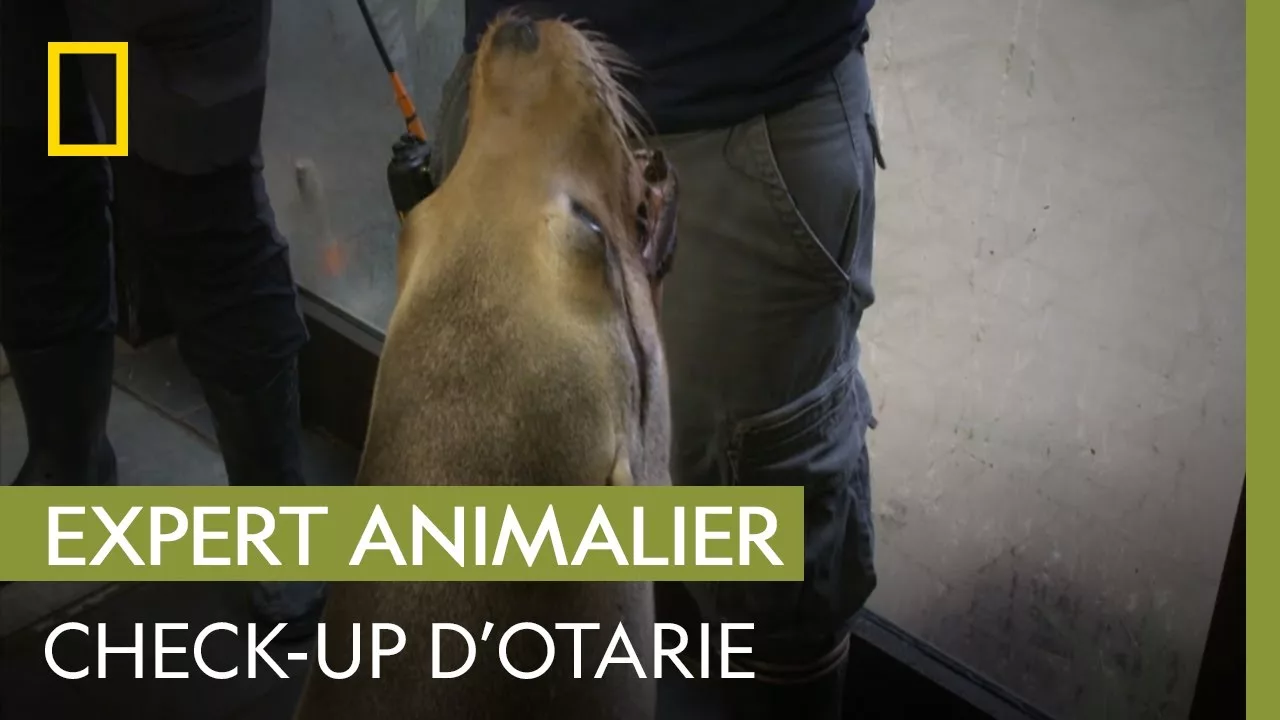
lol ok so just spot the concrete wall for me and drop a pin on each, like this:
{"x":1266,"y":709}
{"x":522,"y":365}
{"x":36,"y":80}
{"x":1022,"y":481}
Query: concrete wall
{"x":1058,"y":353}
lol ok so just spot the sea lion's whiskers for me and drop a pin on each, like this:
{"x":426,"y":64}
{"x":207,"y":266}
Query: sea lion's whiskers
{"x":606,"y":64}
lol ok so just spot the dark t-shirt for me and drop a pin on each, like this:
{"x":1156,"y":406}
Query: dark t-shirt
{"x":710,"y":63}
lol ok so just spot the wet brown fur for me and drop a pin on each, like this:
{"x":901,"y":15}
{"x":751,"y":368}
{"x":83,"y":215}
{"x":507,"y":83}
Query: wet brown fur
{"x":523,"y":350}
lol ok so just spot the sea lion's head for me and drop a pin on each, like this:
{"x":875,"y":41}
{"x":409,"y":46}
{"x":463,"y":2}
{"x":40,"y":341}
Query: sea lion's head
{"x":556,"y":206}
{"x":547,"y":93}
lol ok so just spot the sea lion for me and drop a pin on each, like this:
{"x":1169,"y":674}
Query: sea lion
{"x":523,"y":350}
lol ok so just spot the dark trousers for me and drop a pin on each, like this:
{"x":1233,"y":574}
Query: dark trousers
{"x":760,"y":324}
{"x":208,"y":233}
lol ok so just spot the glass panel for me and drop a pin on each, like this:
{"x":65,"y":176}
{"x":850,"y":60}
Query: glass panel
{"x":1057,"y":350}
{"x":329,"y":126}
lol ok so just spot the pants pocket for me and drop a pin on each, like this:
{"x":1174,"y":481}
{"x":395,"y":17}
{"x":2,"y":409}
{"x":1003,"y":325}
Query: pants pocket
{"x":816,"y":442}
{"x":815,"y":162}
{"x":804,"y":160}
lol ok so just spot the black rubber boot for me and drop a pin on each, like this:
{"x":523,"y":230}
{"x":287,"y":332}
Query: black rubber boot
{"x":259,"y":432}
{"x":820,"y":698}
{"x":65,"y":392}
{"x":260,"y":435}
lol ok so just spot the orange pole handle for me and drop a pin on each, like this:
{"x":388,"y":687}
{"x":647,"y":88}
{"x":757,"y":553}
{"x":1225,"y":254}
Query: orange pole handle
{"x":407,"y":109}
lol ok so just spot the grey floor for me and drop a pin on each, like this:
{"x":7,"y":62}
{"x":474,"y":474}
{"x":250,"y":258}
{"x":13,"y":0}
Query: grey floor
{"x":1057,"y":351}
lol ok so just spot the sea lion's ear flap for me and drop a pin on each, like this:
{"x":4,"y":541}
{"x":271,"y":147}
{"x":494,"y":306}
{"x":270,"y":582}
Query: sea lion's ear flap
{"x":657,"y":214}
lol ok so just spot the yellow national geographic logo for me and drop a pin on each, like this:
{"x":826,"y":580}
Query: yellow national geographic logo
{"x":121,"y":52}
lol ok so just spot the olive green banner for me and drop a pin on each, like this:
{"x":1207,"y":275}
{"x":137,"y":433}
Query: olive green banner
{"x":401,"y":533}
{"x":1262,"y":355}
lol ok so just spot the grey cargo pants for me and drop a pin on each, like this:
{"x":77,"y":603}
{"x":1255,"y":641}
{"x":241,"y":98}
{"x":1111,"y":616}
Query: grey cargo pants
{"x":760,"y":318}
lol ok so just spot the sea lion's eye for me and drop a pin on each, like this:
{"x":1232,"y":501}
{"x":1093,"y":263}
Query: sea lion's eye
{"x":585,"y":216}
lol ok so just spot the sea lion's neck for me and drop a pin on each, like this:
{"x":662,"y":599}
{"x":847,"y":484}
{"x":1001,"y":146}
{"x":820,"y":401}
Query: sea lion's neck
{"x":473,"y":390}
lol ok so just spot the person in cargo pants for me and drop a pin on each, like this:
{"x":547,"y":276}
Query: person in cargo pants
{"x":191,"y":193}
{"x":764,"y":108}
